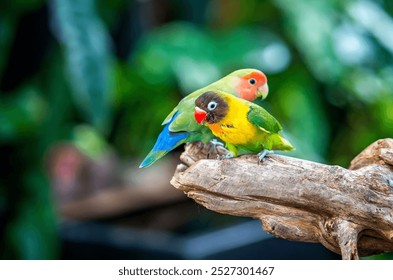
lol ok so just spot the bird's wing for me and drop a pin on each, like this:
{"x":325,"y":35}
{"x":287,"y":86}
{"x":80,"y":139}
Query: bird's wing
{"x":261,"y":118}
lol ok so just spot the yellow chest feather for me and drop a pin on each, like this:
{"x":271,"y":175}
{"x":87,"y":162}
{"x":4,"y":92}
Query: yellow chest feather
{"x":235,"y":128}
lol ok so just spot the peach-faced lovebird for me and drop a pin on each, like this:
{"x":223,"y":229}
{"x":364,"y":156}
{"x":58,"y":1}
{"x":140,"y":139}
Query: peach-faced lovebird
{"x":180,"y":125}
{"x":244,"y":126}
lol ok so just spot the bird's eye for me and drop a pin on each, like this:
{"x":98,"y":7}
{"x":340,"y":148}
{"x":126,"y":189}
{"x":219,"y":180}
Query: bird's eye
{"x":212,"y":105}
{"x":252,"y":81}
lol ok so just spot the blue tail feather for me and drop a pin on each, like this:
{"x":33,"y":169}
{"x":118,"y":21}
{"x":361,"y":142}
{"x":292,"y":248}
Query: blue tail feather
{"x":165,"y":143}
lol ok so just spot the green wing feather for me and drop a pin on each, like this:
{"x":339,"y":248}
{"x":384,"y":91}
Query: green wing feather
{"x":261,"y":118}
{"x":268,"y":124}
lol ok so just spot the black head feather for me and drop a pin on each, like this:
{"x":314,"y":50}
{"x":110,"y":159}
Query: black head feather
{"x":215,"y":106}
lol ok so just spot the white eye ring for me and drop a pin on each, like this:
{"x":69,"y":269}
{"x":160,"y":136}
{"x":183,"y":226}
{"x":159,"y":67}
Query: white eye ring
{"x":212,"y":105}
{"x":252,"y":81}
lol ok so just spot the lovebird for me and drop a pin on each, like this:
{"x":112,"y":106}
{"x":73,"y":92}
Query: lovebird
{"x":180,"y":125}
{"x":244,"y":126}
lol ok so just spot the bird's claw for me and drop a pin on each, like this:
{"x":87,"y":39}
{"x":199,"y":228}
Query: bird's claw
{"x":229,"y":155}
{"x":262,"y":154}
{"x":214,"y":143}
{"x":226,"y":156}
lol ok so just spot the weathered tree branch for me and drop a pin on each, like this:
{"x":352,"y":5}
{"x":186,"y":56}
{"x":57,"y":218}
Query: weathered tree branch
{"x":349,"y":211}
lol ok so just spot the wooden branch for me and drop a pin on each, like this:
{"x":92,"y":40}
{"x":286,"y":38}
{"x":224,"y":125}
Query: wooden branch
{"x":349,"y":211}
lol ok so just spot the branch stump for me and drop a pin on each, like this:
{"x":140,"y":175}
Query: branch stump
{"x":349,"y":211}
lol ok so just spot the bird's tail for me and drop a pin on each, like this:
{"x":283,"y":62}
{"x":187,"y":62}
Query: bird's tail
{"x":166,"y":142}
{"x":282,"y":144}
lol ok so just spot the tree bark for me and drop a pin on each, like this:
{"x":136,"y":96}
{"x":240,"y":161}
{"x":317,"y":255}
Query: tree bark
{"x":349,"y":211}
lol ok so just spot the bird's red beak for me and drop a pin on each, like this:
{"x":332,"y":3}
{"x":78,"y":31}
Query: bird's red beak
{"x":200,"y":115}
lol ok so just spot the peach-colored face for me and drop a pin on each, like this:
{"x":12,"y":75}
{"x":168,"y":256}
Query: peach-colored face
{"x":252,"y":86}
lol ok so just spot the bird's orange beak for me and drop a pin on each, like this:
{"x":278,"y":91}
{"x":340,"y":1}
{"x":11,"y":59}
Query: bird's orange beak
{"x":200,"y":115}
{"x":263,"y":91}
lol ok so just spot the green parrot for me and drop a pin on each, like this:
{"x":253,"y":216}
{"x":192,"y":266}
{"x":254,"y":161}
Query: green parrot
{"x":180,"y":125}
{"x":244,"y":126}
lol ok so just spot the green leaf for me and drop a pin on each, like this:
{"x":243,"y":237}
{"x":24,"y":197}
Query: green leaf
{"x":21,"y":114}
{"x":251,"y":47}
{"x":86,"y":46}
{"x":178,"y":50}
{"x":89,"y":141}
{"x":32,"y":233}
{"x":300,"y":110}
{"x":312,"y":35}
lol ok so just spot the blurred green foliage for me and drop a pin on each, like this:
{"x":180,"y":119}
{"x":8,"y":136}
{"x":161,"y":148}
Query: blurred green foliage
{"x":85,"y":42}
{"x":106,"y":73}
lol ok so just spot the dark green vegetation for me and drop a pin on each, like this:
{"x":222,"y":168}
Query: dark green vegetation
{"x":106,"y":73}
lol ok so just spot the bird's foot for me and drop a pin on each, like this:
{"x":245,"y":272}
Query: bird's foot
{"x":262,"y":154}
{"x":213,"y":147}
{"x":226,"y":156}
{"x":215,"y":143}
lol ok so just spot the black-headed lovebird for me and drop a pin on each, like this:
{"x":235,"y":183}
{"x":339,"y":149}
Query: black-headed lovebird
{"x":244,"y":126}
{"x":180,"y":126}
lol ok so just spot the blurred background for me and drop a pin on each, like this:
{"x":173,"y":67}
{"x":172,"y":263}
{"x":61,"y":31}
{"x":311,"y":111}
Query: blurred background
{"x":85,"y":85}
